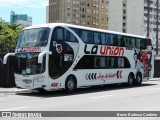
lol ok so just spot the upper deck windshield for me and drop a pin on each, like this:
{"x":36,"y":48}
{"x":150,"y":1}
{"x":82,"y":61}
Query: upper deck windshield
{"x":34,"y":37}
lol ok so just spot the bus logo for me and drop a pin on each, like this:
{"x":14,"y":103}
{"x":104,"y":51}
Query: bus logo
{"x":109,"y":50}
{"x":104,"y":50}
{"x":32,"y":49}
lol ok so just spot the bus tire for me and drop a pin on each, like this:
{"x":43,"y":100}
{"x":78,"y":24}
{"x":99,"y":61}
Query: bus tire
{"x":130,"y":80}
{"x":138,"y":79}
{"x":70,"y":84}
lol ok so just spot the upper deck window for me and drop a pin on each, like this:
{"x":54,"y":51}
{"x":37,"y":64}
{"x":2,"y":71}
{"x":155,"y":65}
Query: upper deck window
{"x":87,"y":36}
{"x":57,"y":34}
{"x":34,"y":37}
{"x":62,"y":34}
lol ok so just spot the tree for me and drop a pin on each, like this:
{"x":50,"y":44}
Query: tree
{"x":8,"y":36}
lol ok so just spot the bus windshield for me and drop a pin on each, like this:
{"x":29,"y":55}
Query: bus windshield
{"x":27,"y":63}
{"x":34,"y":37}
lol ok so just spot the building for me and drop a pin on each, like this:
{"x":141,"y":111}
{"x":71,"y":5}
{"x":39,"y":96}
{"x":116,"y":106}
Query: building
{"x":47,"y":14}
{"x":1,"y":20}
{"x":22,"y":19}
{"x":140,"y":17}
{"x":91,"y":13}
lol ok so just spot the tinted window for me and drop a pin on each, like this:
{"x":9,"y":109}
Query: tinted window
{"x":68,"y":36}
{"x":86,"y":62}
{"x":128,"y":41}
{"x":143,"y":44}
{"x":115,"y":40}
{"x":76,"y":31}
{"x":123,"y":41}
{"x":102,"y":62}
{"x":103,"y":38}
{"x":57,"y":34}
{"x":138,"y":42}
{"x":97,"y":37}
{"x":109,"y":39}
{"x":87,"y":36}
{"x":133,"y":42}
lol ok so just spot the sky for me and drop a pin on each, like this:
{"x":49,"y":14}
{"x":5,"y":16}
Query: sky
{"x":34,"y":8}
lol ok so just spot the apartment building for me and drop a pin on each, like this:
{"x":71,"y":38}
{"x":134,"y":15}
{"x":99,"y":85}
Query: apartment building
{"x":140,"y":17}
{"x":91,"y":13}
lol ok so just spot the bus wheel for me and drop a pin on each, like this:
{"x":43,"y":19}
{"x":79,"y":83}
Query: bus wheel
{"x":130,"y":80}
{"x":71,"y":84}
{"x":138,"y":80}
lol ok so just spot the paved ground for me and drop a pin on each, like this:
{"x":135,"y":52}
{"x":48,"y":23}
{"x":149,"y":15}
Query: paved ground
{"x":11,"y":90}
{"x":15,"y":90}
{"x":104,"y":98}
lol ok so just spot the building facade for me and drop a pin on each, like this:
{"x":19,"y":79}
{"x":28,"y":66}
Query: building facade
{"x":91,"y":13}
{"x":22,"y":19}
{"x":1,"y":20}
{"x":47,"y":14}
{"x":140,"y":17}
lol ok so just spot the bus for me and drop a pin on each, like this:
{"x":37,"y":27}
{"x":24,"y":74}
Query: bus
{"x":64,"y":56}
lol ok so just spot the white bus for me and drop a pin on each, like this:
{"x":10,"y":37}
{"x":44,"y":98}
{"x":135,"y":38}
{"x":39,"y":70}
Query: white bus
{"x":63,"y":56}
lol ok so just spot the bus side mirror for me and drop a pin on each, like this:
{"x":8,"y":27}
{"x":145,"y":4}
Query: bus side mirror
{"x":6,"y":57}
{"x":40,"y":56}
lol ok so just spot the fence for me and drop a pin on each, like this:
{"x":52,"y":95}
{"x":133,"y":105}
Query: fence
{"x":156,"y":68}
{"x":7,"y":72}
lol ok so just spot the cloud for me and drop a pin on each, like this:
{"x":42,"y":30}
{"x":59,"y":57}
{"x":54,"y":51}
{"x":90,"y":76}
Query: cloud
{"x":24,"y":3}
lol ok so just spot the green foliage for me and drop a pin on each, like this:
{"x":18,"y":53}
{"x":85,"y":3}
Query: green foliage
{"x":8,"y":36}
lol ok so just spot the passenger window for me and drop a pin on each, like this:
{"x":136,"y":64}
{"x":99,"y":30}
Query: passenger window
{"x":103,"y":39}
{"x":126,"y":63}
{"x":133,"y":42}
{"x":138,"y":43}
{"x":87,"y":36}
{"x":115,"y":40}
{"x":97,"y":38}
{"x":68,"y":36}
{"x":120,"y":62}
{"x":128,"y":41}
{"x":102,"y":62}
{"x":86,"y":62}
{"x":96,"y":62}
{"x":143,"y":44}
{"x":109,"y":39}
{"x":123,"y":41}
{"x":76,"y":31}
{"x":57,"y":34}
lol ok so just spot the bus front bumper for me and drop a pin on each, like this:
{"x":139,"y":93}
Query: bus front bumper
{"x":31,"y":82}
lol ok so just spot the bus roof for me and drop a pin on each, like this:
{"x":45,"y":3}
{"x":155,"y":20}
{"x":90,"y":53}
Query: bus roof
{"x":51,"y":25}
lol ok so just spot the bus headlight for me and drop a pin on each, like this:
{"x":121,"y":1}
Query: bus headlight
{"x":39,"y":79}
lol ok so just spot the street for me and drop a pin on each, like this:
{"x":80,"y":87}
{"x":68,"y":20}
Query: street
{"x":99,"y":98}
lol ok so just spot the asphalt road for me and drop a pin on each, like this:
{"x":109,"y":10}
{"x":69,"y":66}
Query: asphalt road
{"x":99,"y":98}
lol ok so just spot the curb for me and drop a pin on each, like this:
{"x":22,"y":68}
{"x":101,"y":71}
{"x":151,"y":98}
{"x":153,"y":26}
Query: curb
{"x":14,"y":91}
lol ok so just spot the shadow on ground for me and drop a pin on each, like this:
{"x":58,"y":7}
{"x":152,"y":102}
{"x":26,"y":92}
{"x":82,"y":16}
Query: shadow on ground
{"x":84,"y":90}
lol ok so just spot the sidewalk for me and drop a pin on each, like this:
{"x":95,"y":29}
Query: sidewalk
{"x":12,"y":90}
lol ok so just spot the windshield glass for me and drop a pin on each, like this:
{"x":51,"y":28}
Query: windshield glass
{"x":27,"y":64}
{"x":34,"y":37}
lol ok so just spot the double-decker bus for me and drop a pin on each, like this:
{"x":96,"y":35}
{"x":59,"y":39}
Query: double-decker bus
{"x":63,"y":56}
